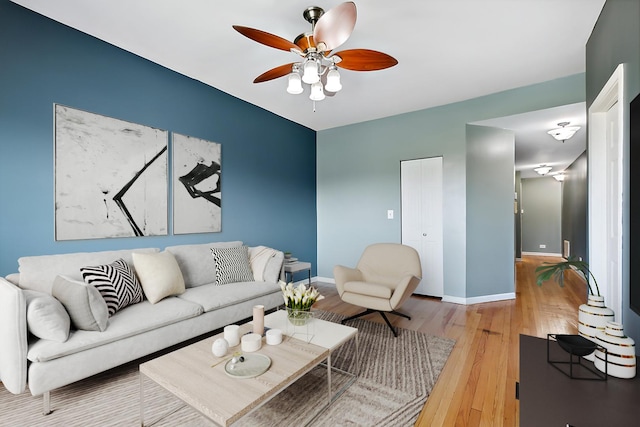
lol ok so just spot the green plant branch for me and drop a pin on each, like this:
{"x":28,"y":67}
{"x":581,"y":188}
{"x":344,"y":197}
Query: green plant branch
{"x":555,"y":271}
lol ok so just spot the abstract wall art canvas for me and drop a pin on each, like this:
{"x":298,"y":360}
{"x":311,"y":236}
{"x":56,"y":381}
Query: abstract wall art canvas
{"x":110,"y":177}
{"x":197,"y":203}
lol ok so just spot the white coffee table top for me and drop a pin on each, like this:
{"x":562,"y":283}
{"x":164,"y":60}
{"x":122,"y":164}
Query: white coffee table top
{"x":325,"y":334}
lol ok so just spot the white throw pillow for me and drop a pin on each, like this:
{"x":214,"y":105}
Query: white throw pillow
{"x":159,"y":275}
{"x":86,"y":307}
{"x":46,"y":317}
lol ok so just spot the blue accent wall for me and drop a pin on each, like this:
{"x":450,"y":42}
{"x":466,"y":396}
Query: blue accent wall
{"x":43,"y":62}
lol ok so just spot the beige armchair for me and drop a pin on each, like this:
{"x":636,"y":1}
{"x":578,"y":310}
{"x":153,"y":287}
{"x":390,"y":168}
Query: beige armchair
{"x":386,"y":275}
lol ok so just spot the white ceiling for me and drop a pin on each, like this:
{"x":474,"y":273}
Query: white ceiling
{"x":534,"y":147}
{"x":448,"y":51}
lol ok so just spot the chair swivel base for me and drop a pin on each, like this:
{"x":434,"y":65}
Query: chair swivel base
{"x":382,"y":313}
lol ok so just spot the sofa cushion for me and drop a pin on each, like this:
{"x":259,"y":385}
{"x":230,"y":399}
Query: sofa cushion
{"x":212,"y":297}
{"x":130,"y":321}
{"x":116,"y":282}
{"x":195,"y":261}
{"x":86,"y":307}
{"x":232,"y":265}
{"x":159,"y":275}
{"x":38,"y":272}
{"x":370,"y":289}
{"x":46,"y":317}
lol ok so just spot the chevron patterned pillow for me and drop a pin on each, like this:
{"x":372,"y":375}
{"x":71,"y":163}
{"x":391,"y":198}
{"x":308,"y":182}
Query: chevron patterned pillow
{"x":116,"y":282}
{"x":232,"y":265}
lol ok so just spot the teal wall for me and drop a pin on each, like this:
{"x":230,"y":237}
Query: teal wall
{"x":359,"y":176}
{"x":490,"y":222}
{"x":616,"y":39}
{"x":575,"y":206}
{"x":542,"y":218}
{"x":43,"y":62}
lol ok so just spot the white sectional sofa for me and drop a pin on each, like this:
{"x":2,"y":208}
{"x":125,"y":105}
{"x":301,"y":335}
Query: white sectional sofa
{"x":27,"y":307}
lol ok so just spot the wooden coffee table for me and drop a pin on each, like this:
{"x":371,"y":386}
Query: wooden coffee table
{"x":190,"y":372}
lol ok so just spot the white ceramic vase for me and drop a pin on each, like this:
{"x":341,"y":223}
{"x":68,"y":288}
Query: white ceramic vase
{"x":593,"y":318}
{"x":621,"y":352}
{"x":220,"y":347}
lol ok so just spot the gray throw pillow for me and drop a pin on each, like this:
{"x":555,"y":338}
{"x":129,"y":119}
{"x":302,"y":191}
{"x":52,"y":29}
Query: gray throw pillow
{"x":86,"y":307}
{"x":232,"y":265}
{"x":46,"y":317}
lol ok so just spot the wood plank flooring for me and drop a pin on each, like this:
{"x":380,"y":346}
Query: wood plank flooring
{"x":477,"y":385}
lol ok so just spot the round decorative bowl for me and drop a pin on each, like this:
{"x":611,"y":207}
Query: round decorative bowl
{"x":576,"y":344}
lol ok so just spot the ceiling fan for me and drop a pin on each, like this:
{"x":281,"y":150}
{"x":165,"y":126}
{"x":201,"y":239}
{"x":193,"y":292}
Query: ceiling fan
{"x":319,"y":63}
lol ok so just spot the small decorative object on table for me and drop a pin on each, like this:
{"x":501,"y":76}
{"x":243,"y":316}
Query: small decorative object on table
{"x":220,"y":347}
{"x":298,"y":301}
{"x":577,"y":348}
{"x":619,"y":358}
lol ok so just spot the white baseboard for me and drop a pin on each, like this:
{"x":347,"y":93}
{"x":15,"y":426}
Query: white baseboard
{"x":542,"y":254}
{"x":479,"y":300}
{"x":445,"y":298}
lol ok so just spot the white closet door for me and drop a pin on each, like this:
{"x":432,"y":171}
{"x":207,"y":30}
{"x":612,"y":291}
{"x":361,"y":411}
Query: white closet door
{"x":421,"y":182}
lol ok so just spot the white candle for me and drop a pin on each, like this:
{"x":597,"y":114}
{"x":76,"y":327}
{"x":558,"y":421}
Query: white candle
{"x":232,"y":335}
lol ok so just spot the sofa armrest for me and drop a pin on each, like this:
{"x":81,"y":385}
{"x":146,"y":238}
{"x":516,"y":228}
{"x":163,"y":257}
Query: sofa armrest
{"x":343,"y":274}
{"x":13,"y":337}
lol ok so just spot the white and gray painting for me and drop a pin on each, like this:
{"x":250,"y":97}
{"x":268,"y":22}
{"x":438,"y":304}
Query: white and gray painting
{"x":110,"y":177}
{"x":197,"y":173}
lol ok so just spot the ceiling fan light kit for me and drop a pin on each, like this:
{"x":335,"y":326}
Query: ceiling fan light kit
{"x":319,"y":65}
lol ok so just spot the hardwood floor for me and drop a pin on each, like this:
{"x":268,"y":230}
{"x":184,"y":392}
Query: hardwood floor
{"x":477,"y":385}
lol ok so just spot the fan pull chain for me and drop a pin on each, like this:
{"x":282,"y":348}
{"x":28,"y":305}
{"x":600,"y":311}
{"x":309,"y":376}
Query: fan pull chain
{"x":314,"y":106}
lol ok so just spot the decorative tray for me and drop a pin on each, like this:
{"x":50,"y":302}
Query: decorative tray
{"x":254,"y":364}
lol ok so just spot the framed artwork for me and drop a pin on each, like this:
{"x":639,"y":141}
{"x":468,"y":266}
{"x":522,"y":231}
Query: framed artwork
{"x":197,"y":173}
{"x":110,"y":177}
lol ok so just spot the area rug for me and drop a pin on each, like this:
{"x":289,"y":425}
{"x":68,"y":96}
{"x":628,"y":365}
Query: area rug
{"x":395,"y":378}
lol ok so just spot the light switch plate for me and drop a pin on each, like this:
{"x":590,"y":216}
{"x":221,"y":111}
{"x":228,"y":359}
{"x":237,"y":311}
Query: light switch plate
{"x":390,"y":214}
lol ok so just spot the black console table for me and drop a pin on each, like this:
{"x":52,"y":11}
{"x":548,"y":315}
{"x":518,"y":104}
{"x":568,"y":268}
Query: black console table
{"x":550,"y":398}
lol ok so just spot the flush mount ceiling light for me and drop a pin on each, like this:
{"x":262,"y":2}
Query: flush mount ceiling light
{"x":319,"y":65}
{"x":543,"y":169}
{"x":559,"y":176}
{"x":564,"y":132}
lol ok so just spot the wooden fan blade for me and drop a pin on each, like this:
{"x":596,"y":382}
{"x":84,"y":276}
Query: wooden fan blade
{"x":274,"y":73}
{"x":364,"y":60}
{"x":267,"y":39}
{"x":335,"y":26}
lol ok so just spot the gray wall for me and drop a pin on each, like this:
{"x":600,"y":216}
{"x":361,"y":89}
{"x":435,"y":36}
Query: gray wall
{"x":359,"y":176}
{"x":574,"y":206}
{"x":518,"y":216}
{"x":541,"y":220}
{"x":490,"y":227}
{"x":616,"y":39}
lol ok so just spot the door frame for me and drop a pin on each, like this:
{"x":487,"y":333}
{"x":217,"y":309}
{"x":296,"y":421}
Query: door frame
{"x":613,"y":92}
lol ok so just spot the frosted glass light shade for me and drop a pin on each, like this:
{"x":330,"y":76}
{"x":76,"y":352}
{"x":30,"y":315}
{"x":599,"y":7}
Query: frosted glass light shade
{"x":543,"y":170}
{"x":564,"y":133}
{"x":295,"y":84}
{"x":310,"y":72}
{"x":317,"y":94}
{"x":333,"y":81}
